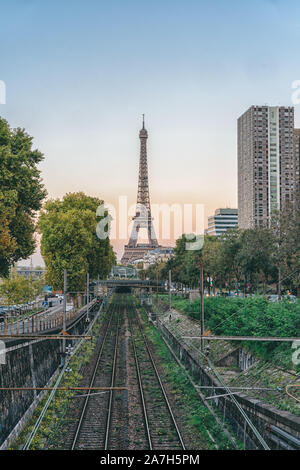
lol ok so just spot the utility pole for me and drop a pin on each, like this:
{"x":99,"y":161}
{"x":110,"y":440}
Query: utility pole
{"x":87,"y":295}
{"x":202,"y":305}
{"x":170,"y":292}
{"x":65,"y":310}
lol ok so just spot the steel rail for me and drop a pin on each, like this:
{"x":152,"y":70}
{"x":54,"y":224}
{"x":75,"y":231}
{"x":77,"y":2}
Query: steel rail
{"x":141,"y":389}
{"x":59,"y":389}
{"x":233,"y":398}
{"x":113,"y":374}
{"x":159,"y":380}
{"x":244,"y":338}
{"x":82,"y":415}
{"x":52,"y":393}
{"x":41,"y":337}
{"x":230,"y":437}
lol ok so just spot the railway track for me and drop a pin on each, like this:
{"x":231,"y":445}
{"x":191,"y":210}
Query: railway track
{"x":98,"y":424}
{"x":101,"y":420}
{"x":160,"y":426}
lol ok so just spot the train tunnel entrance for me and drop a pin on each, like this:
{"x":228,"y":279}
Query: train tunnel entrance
{"x":123,"y":290}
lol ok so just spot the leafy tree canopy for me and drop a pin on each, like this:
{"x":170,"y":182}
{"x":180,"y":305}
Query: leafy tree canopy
{"x":19,"y":289}
{"x":249,"y":259}
{"x":69,"y":241}
{"x":21,"y":195}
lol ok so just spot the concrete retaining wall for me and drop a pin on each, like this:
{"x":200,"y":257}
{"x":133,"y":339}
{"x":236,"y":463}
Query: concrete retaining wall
{"x":280,"y":429}
{"x":29,"y":364}
{"x":245,"y":359}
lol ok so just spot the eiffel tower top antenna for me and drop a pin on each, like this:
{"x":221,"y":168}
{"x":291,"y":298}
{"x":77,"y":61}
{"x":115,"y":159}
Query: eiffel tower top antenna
{"x":143,"y":121}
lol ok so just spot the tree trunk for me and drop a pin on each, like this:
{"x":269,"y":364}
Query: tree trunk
{"x":279,"y":283}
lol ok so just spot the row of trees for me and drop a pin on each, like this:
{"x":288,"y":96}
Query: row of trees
{"x":248,"y":259}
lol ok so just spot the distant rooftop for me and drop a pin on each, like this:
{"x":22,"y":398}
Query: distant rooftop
{"x":226,"y":211}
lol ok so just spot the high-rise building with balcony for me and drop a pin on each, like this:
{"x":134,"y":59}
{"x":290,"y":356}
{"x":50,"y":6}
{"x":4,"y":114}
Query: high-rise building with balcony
{"x":266,"y":164}
{"x":297,"y":158}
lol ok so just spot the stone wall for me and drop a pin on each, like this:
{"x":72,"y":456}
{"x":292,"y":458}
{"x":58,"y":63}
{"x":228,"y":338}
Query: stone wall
{"x":29,"y":364}
{"x":245,"y":359}
{"x":280,"y":429}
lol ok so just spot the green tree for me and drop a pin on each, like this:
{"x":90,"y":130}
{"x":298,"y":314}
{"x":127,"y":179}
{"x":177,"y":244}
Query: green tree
{"x":156,"y":270}
{"x":212,"y":261}
{"x":229,"y":263}
{"x":8,"y":245}
{"x":185,"y":264}
{"x":19,"y":289}
{"x":21,"y":195}
{"x":286,"y":229}
{"x":69,"y":241}
{"x":255,"y":255}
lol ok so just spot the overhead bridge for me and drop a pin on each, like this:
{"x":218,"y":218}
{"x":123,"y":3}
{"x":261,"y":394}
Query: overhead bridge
{"x":132,"y":283}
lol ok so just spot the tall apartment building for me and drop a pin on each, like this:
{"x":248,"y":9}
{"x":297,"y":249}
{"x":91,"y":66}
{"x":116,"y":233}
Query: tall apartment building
{"x":221,"y":221}
{"x":297,"y":158}
{"x":266,"y":171}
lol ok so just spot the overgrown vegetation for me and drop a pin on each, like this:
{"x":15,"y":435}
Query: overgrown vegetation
{"x":253,"y":316}
{"x":51,"y":430}
{"x":196,"y":416}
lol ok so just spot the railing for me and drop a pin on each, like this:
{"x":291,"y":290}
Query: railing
{"x":38,"y":322}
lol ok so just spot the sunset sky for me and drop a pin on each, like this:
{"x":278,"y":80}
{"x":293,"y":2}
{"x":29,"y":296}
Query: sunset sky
{"x":79,"y":75}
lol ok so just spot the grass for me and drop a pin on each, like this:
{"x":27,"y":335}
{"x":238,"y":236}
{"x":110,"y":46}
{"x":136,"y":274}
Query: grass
{"x":195,"y":416}
{"x":253,"y":316}
{"x":52,"y":428}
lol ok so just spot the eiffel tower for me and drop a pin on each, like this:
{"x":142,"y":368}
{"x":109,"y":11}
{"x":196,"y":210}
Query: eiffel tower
{"x":142,"y":219}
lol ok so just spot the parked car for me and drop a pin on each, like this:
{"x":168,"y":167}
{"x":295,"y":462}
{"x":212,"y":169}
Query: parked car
{"x":4,"y":311}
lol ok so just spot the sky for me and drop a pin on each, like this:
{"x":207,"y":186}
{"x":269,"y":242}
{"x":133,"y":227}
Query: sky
{"x":80,"y":73}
